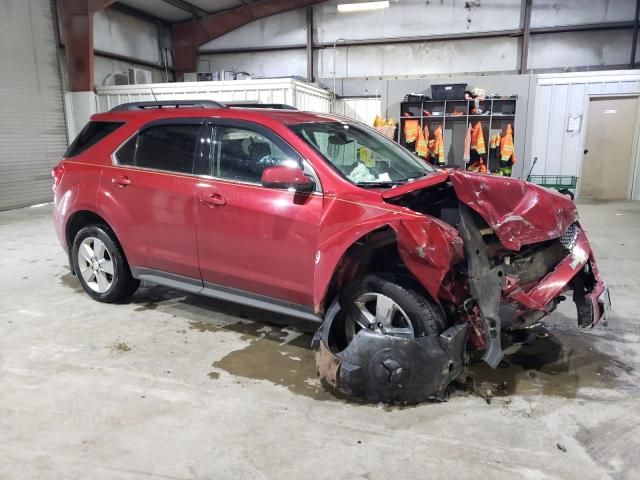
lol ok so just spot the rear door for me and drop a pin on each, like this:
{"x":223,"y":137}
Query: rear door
{"x":252,"y":238}
{"x":152,"y":186}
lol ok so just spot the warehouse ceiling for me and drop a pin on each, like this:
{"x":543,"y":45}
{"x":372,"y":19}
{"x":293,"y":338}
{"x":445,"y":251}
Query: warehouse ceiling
{"x":174,"y":11}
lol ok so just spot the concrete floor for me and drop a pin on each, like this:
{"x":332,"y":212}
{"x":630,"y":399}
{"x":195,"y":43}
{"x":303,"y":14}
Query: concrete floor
{"x":173,"y":386}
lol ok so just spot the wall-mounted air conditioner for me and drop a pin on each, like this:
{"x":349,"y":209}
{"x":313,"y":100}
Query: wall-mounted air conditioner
{"x":120,"y":78}
{"x":138,"y":76}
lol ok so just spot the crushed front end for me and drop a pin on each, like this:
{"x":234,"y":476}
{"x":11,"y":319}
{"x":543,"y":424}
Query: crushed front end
{"x":498,"y":255}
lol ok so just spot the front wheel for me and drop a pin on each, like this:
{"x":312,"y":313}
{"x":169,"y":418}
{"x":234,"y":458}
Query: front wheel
{"x":389,"y":304}
{"x":101,"y":266}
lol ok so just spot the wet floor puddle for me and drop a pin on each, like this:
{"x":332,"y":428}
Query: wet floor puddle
{"x":557,"y":363}
{"x":279,"y":355}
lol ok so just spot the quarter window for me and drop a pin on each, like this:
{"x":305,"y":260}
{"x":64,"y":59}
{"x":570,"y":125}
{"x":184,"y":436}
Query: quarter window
{"x":91,"y":134}
{"x":242,"y":154}
{"x":126,"y":153}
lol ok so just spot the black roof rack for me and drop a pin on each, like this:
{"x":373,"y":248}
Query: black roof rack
{"x":277,"y":106}
{"x":128,"y":107}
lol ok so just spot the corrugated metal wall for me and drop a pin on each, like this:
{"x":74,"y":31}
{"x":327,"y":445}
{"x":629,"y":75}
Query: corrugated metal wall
{"x":362,"y":109}
{"x":560,"y":96}
{"x":286,"y":90}
{"x":32,"y":127}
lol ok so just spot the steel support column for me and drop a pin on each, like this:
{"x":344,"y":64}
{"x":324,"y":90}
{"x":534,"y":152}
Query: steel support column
{"x":76,"y":30}
{"x":526,"y":35}
{"x":310,"y":44}
{"x":634,"y":41}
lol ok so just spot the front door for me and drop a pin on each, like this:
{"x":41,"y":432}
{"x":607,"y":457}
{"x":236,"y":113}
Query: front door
{"x":607,"y":162}
{"x":151,"y":189}
{"x":255,"y":239}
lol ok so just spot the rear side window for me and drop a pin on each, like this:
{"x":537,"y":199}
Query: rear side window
{"x":163,"y":147}
{"x":91,"y":134}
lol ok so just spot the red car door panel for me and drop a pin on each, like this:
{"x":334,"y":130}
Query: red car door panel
{"x":257,"y":239}
{"x":157,"y":224}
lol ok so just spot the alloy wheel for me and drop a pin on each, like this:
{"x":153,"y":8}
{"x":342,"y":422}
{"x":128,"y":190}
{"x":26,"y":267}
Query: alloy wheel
{"x":96,"y":264}
{"x":378,"y":313}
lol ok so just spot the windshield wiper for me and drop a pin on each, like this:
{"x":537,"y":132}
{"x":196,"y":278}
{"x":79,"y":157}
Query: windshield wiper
{"x":417,"y":175}
{"x":381,"y":183}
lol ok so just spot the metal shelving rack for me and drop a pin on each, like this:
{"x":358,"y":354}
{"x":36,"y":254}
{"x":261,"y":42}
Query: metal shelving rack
{"x":501,"y":110}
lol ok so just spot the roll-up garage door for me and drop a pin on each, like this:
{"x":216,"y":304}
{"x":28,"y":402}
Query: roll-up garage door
{"x":32,"y":128}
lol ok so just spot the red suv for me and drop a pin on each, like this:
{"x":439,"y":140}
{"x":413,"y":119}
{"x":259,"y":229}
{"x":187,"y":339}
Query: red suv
{"x":406,"y":266}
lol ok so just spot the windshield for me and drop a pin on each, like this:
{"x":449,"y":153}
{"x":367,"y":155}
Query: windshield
{"x":362,"y":155}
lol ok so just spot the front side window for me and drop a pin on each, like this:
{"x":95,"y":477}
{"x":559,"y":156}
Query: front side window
{"x":242,"y":154}
{"x":363,"y":156}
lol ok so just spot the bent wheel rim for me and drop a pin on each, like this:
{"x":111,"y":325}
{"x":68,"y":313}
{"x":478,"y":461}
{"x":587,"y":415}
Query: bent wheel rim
{"x":95,"y":264}
{"x":377,"y":313}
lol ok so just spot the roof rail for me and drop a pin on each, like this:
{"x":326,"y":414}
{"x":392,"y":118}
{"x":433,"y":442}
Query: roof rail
{"x":276,"y":106}
{"x":128,"y":107}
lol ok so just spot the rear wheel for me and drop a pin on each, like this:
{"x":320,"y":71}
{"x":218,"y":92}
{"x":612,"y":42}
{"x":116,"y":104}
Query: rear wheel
{"x":101,"y":266}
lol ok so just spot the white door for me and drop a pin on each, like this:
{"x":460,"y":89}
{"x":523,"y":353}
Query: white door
{"x":32,"y":127}
{"x":607,"y":165}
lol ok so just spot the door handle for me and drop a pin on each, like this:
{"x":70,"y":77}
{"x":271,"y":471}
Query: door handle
{"x":121,"y":181}
{"x":214,"y":200}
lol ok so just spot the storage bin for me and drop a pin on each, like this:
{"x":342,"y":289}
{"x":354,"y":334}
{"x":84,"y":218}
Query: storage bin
{"x":449,"y":91}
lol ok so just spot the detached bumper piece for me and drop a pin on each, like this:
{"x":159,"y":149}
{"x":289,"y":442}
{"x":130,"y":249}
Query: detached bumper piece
{"x":384,"y":368}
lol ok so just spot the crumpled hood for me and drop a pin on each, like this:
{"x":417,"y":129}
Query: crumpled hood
{"x":519,"y":212}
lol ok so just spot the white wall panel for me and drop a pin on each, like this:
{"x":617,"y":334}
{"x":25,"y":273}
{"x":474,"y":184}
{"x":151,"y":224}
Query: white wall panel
{"x":559,"y":95}
{"x":579,"y":49}
{"x":415,"y":18}
{"x":116,"y":32}
{"x":103,"y":69}
{"x":460,"y":56}
{"x":288,"y":28}
{"x":548,"y":13}
{"x":263,"y":64}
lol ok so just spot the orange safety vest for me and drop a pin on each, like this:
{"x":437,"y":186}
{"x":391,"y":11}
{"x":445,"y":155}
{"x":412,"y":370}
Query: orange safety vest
{"x":477,"y":139}
{"x":411,"y":128}
{"x":467,"y":146}
{"x":507,"y":151}
{"x":422,"y":150}
{"x":495,"y":141}
{"x":438,"y":146}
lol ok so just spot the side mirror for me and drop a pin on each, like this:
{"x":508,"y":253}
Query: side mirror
{"x":287,"y":177}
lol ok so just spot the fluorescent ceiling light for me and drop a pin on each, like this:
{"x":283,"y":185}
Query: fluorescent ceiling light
{"x":361,"y":7}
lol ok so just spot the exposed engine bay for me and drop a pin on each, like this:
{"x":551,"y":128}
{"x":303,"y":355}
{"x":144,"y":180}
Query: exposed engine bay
{"x":495,"y":258}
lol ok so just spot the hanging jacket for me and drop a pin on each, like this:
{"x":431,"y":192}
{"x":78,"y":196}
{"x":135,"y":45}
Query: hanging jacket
{"x":495,"y":141}
{"x":467,"y":145}
{"x":477,"y":139}
{"x":411,"y":128}
{"x":422,"y":149}
{"x":507,"y":151}
{"x":478,"y":167}
{"x":438,"y":147}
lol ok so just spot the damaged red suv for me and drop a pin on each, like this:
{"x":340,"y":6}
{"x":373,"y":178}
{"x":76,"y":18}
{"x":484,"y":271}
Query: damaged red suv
{"x":405,"y":266}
